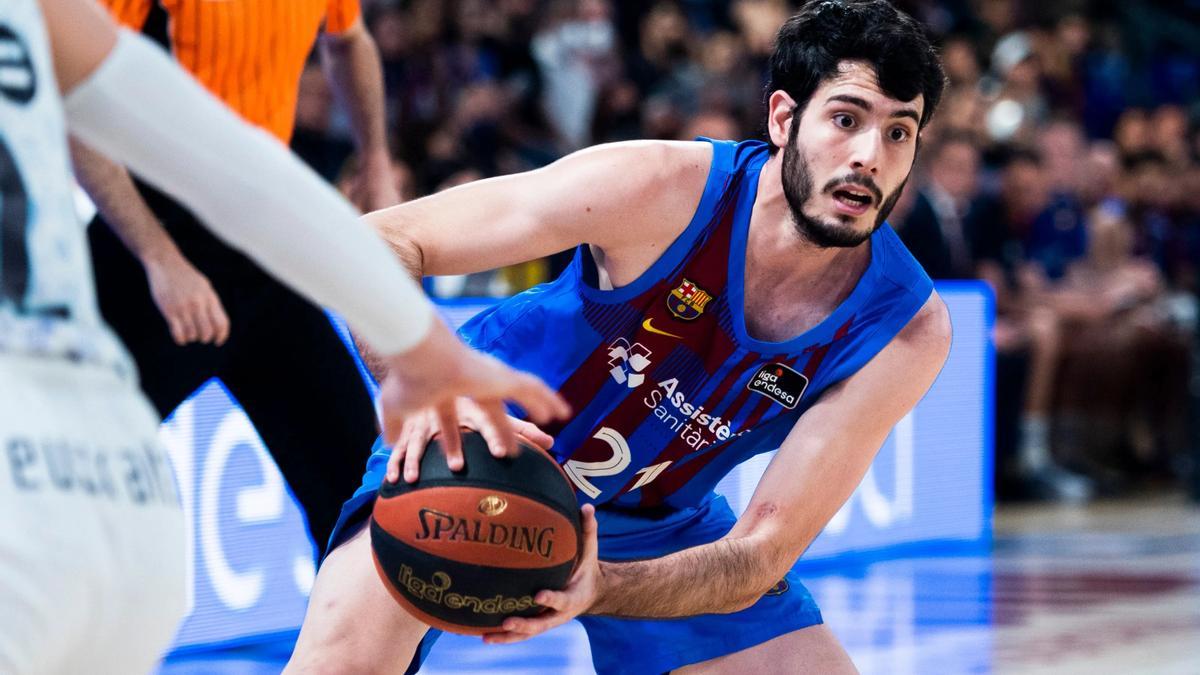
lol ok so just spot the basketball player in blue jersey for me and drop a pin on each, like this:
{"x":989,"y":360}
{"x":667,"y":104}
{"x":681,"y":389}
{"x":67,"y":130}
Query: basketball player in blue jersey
{"x":726,"y":299}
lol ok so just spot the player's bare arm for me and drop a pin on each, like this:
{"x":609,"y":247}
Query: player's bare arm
{"x":652,"y":189}
{"x":818,"y":466}
{"x":629,"y":200}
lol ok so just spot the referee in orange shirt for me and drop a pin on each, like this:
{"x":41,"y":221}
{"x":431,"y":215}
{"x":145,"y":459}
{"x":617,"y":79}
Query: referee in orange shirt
{"x":189,"y":307}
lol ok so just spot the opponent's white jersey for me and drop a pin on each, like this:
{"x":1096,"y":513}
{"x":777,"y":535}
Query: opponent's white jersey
{"x":47,"y":302}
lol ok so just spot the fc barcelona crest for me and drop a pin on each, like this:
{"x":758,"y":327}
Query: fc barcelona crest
{"x":688,"y":301}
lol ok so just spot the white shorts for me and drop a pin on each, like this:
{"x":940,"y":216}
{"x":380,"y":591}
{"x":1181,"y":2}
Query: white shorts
{"x":92,"y":538}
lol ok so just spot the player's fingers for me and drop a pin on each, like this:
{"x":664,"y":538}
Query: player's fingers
{"x":394,"y":460}
{"x":553,"y":599}
{"x":504,"y":638}
{"x":591,"y":548}
{"x":187,"y":326}
{"x":528,"y":627}
{"x":412,"y":460}
{"x":415,"y":441}
{"x":447,"y":418}
{"x":533,"y":434}
{"x":176,"y":328}
{"x":417,"y":436}
{"x":220,"y":321}
{"x":497,"y":429}
{"x":541,"y":402}
{"x":206,"y":332}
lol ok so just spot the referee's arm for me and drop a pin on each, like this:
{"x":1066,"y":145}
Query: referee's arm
{"x":184,"y":296}
{"x":351,"y":62}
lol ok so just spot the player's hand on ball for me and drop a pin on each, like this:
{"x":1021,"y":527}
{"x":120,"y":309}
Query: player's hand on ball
{"x":187,"y":301}
{"x":439,"y":369}
{"x":578,"y":597}
{"x":423,"y":426}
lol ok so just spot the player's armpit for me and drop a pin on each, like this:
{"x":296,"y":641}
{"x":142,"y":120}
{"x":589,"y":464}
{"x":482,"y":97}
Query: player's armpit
{"x":828,"y":451}
{"x":617,"y":196}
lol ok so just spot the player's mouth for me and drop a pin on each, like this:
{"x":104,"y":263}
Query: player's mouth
{"x":852,"y":201}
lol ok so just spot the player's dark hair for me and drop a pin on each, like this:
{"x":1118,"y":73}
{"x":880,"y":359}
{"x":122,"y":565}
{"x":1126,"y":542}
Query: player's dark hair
{"x":811,"y":44}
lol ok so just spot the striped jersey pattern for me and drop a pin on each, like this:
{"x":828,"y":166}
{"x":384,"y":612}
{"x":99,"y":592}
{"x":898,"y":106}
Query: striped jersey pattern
{"x":670,"y":391}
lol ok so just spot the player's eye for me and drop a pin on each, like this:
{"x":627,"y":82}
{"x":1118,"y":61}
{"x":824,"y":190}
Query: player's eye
{"x":898,"y":134}
{"x":844,"y":121}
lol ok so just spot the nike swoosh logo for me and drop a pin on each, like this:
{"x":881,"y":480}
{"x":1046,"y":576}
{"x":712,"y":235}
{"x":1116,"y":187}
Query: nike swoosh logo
{"x":652,"y":329}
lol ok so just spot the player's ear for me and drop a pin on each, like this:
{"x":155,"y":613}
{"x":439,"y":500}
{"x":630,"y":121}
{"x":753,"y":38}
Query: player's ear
{"x":780,"y":106}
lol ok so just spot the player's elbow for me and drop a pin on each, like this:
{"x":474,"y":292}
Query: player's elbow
{"x":406,"y":247}
{"x":753,"y":591}
{"x":767,"y":559}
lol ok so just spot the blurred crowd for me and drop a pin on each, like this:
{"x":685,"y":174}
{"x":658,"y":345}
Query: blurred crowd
{"x":1063,"y":169}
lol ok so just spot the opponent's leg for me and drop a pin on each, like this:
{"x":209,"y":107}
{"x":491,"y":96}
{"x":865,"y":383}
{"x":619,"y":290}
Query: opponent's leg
{"x":353,"y":624}
{"x":808,"y":650}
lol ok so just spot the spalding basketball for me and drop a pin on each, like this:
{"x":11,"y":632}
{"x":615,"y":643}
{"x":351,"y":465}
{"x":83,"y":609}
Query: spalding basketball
{"x":464,"y":551}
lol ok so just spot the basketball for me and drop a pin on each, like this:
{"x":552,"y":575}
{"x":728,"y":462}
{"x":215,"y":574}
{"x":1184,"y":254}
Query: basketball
{"x":463,"y":551}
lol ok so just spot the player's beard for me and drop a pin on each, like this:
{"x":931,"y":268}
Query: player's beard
{"x":798,"y":188}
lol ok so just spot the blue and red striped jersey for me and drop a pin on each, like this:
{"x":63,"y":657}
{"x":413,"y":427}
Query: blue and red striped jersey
{"x":670,"y":392}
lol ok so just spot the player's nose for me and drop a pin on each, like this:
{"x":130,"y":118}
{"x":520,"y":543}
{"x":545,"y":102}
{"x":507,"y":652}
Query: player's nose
{"x":865,"y":152}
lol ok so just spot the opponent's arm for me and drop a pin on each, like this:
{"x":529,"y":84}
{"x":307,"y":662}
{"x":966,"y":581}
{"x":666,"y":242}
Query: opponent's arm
{"x":816,"y":469}
{"x":630,"y":199}
{"x":351,"y":63}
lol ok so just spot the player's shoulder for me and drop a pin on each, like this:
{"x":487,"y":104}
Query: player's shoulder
{"x":930,"y":328}
{"x":654,"y":160}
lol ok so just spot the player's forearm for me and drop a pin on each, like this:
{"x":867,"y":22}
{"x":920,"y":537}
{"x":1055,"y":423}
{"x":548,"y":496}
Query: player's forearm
{"x":118,"y":200}
{"x":352,"y":65}
{"x":725,"y":576}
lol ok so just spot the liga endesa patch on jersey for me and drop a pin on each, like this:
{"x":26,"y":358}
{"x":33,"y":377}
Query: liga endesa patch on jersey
{"x":779,"y":383}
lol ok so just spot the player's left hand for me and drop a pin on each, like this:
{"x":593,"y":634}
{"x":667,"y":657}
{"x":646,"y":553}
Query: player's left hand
{"x":578,"y":597}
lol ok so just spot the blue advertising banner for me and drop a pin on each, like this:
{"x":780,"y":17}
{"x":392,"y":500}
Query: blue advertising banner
{"x":252,"y":561}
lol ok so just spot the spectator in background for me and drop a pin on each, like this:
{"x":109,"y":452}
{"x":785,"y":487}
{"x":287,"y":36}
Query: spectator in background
{"x":1062,"y":51}
{"x":1168,"y":135}
{"x":963,"y":107}
{"x":1132,"y":132}
{"x":314,"y":138}
{"x":1059,"y":234}
{"x":1151,"y":193}
{"x":1123,"y":377}
{"x":933,"y":229}
{"x":1017,"y":103}
{"x":575,"y":55}
{"x":1028,"y":334}
{"x":961,"y":62}
{"x":1101,"y":175}
{"x":712,"y":124}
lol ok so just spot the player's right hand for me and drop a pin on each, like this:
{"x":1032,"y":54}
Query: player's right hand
{"x":187,"y":301}
{"x":439,"y":370}
{"x":420,"y":428}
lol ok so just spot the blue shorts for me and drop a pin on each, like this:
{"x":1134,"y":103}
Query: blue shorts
{"x":638,"y":646}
